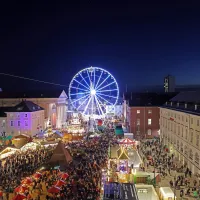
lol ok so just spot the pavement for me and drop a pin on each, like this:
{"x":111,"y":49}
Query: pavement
{"x":165,"y":181}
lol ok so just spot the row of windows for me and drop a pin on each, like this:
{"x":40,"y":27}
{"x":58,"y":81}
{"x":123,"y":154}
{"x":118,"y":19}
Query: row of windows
{"x":149,"y":111}
{"x":19,"y":123}
{"x":18,"y":115}
{"x":192,"y":137}
{"x":149,"y":132}
{"x":180,"y":117}
{"x":149,"y":121}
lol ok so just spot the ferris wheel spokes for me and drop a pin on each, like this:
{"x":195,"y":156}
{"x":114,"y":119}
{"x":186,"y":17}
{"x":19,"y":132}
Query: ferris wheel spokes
{"x":79,"y":89}
{"x":102,"y":82}
{"x":106,"y":85}
{"x":87,"y":105}
{"x":107,"y":90}
{"x":95,"y":86}
{"x":89,"y":78}
{"x":101,"y":102}
{"x":98,"y":106}
{"x":84,"y":80}
{"x":83,"y":102}
{"x":79,"y":98}
{"x":104,"y":99}
{"x":81,"y":84}
{"x":107,"y":95}
{"x":79,"y":93}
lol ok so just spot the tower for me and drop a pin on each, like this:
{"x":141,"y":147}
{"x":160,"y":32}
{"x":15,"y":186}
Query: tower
{"x":169,"y":83}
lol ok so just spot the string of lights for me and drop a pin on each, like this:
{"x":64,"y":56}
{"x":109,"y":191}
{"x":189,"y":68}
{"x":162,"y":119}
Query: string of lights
{"x":32,"y":79}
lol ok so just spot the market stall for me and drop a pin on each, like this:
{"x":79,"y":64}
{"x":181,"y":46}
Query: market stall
{"x":30,"y":145}
{"x":20,"y":140}
{"x":8,"y":152}
{"x":126,"y":142}
{"x":166,"y":193}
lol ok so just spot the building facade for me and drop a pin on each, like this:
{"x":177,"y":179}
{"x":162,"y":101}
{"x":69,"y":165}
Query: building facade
{"x":180,"y":128}
{"x":55,"y":104}
{"x":142,"y":113}
{"x":144,"y":121}
{"x":24,"y":118}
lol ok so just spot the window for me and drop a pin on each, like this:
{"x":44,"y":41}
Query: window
{"x":182,"y":132}
{"x":26,"y":123}
{"x":182,"y":118}
{"x":197,"y":122}
{"x":149,"y":121}
{"x":149,"y":111}
{"x":25,"y":115}
{"x":18,"y":123}
{"x":191,"y":120}
{"x":191,"y":138}
{"x":11,"y":123}
{"x":138,"y":111}
{"x":186,"y":132}
{"x":191,"y":154}
{"x":196,"y":158}
{"x":149,"y":132}
{"x":197,"y":139}
{"x":18,"y":115}
{"x":138,"y":121}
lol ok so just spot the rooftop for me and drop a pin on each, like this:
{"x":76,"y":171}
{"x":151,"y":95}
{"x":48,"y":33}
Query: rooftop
{"x":24,"y":106}
{"x":188,"y":102}
{"x":148,"y":99}
{"x":187,"y":96}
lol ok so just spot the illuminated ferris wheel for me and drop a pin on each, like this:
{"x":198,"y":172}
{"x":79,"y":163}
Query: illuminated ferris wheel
{"x":91,"y":90}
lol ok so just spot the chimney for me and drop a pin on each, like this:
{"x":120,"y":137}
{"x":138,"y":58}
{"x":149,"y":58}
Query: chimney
{"x":171,"y":103}
{"x":195,"y":106}
{"x":185,"y":105}
{"x":177,"y":104}
{"x":166,"y":103}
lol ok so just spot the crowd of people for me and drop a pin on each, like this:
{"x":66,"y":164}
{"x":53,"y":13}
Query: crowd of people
{"x":19,"y":165}
{"x":158,"y":156}
{"x":90,"y":157}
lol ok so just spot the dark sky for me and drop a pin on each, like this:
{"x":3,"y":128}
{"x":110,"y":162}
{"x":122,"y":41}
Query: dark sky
{"x":138,"y":43}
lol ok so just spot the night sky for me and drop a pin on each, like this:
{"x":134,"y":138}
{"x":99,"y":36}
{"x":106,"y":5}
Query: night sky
{"x":138,"y":43}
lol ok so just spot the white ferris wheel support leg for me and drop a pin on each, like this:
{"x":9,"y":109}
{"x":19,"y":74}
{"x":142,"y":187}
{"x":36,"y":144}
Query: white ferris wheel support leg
{"x":96,"y":98}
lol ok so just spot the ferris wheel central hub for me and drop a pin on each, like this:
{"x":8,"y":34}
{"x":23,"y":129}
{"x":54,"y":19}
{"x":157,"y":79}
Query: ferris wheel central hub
{"x":93,"y":92}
